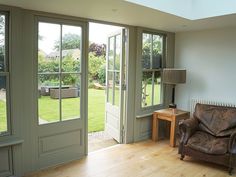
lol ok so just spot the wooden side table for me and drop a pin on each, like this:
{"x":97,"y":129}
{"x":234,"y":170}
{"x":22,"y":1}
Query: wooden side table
{"x":174,"y":116}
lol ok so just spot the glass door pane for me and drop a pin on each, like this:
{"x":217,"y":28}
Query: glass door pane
{"x":46,"y":97}
{"x":117,"y":52}
{"x":110,"y":87}
{"x":111,"y":53}
{"x":48,"y":72}
{"x":71,"y":48}
{"x":70,"y":96}
{"x":117,"y":89}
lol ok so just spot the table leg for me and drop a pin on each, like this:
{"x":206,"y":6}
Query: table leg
{"x":172,"y":134}
{"x":154,"y":128}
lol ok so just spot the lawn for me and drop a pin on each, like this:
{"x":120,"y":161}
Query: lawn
{"x":157,"y":98}
{"x":3,"y":121}
{"x":49,"y":109}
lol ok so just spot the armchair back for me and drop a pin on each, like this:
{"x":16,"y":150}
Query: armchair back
{"x":219,"y":121}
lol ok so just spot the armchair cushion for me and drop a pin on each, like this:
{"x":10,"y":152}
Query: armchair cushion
{"x":217,"y":120}
{"x":205,"y":142}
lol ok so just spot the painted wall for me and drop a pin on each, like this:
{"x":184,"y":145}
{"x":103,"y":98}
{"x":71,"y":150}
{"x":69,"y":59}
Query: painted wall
{"x":210,"y":59}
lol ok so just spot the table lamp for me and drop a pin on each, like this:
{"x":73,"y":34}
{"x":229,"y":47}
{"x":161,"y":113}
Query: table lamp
{"x":173,"y":76}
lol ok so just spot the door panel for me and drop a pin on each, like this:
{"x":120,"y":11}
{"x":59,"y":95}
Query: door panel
{"x":60,"y":129}
{"x":114,"y":82}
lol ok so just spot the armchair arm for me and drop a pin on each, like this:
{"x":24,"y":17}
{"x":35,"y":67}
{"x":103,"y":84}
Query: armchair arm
{"x":232,"y":143}
{"x":187,"y":128}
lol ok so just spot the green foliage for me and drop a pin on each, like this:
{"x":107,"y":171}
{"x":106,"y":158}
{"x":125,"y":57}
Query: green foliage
{"x":102,"y":74}
{"x":2,"y":24}
{"x":95,"y":64}
{"x":69,"y":41}
{"x":52,"y":65}
{"x":2,"y":41}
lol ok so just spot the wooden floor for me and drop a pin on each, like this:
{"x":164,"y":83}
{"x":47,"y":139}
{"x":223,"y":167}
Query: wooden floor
{"x":144,"y":159}
{"x":99,"y":140}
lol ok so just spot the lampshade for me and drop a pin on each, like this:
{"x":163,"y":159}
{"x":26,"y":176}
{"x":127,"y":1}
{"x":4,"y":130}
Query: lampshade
{"x":174,"y":76}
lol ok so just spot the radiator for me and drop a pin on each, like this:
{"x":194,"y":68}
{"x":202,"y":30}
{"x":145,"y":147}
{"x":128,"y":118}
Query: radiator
{"x":202,"y":101}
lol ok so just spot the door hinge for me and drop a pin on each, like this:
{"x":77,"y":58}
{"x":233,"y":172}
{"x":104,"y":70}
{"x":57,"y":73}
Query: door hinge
{"x":123,"y":134}
{"x":125,"y":38}
{"x":123,"y":86}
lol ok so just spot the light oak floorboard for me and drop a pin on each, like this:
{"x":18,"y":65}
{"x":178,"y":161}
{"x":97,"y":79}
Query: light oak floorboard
{"x":143,"y":159}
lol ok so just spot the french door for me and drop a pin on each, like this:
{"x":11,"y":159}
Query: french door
{"x":60,"y":128}
{"x":115,"y":85}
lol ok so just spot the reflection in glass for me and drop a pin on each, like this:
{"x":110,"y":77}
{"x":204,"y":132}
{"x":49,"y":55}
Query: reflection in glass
{"x":48,"y":106}
{"x":70,"y":96}
{"x":147,"y":89}
{"x":146,"y":51}
{"x":117,"y":52}
{"x":3,"y":105}
{"x":71,"y":48}
{"x":110,"y":87}
{"x":117,"y":89}
{"x":157,"y":51}
{"x":157,"y":88}
{"x":111,"y":53}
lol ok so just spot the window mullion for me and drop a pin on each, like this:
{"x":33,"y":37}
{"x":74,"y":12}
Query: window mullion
{"x":151,"y":54}
{"x":153,"y":75}
{"x":153,"y":72}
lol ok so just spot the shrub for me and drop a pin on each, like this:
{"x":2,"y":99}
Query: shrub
{"x":102,"y":74}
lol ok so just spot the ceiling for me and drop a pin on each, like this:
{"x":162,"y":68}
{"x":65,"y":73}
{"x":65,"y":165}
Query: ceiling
{"x":191,"y":9}
{"x":123,"y":12}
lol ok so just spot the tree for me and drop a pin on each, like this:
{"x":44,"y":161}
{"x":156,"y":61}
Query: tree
{"x":98,"y":49}
{"x":69,"y":41}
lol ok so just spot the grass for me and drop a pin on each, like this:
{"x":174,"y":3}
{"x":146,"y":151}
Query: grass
{"x":96,"y":110}
{"x":49,"y":109}
{"x":3,"y":121}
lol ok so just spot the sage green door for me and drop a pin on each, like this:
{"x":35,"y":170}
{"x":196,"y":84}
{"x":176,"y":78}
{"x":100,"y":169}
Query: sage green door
{"x":114,"y":85}
{"x":60,"y":128}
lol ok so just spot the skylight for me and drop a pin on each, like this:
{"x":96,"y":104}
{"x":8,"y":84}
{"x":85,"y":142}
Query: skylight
{"x":191,"y":9}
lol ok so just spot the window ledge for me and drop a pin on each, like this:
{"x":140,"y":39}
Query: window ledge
{"x":143,"y":115}
{"x":11,"y":142}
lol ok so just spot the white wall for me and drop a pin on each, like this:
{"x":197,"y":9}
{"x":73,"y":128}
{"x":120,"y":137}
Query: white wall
{"x":210,"y":59}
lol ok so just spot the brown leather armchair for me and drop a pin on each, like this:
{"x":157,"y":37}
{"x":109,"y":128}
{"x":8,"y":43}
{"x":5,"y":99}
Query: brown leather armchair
{"x":210,"y":135}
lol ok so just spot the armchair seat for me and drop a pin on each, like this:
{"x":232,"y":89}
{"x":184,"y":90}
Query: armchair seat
{"x":206,"y":143}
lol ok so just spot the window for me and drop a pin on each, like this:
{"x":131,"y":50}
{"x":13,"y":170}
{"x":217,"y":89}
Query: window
{"x":4,"y":75}
{"x":152,"y":63}
{"x":59,"y":73}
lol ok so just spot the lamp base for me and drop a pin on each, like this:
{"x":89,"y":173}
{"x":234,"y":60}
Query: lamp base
{"x":172,"y":105}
